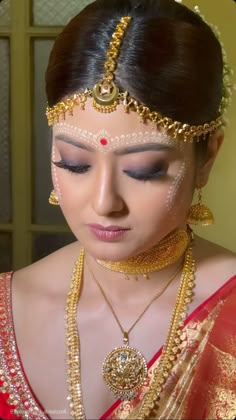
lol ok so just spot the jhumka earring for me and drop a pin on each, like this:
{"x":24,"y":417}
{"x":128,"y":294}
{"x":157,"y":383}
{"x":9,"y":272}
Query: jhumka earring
{"x":53,"y":199}
{"x":199,"y":214}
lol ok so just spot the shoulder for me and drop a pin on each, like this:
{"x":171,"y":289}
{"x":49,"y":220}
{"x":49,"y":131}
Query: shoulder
{"x":211,"y":256}
{"x":215,"y":266}
{"x":49,"y":275}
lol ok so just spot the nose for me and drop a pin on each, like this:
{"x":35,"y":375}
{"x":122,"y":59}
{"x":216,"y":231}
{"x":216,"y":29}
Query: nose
{"x":106,"y":198}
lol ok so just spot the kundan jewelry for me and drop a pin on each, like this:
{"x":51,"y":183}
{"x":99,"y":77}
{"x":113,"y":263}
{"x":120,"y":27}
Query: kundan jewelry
{"x":170,"y":351}
{"x":125,"y":368}
{"x":107,"y":96}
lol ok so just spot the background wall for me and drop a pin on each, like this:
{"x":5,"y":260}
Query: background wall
{"x":220,"y":193}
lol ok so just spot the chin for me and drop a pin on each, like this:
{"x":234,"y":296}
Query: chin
{"x":110,"y":253}
{"x":118,"y":250}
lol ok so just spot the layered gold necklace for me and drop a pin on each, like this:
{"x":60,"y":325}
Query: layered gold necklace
{"x":170,"y":349}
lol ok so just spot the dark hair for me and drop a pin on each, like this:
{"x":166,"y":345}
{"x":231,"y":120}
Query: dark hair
{"x":170,"y":59}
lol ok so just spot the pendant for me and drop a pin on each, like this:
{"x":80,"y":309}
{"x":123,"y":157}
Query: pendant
{"x":125,"y":371}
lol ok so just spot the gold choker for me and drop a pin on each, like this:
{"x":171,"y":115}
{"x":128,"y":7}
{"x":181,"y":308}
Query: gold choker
{"x":167,"y":252}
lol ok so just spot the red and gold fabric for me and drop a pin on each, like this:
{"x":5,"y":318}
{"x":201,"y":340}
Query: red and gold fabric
{"x":201,"y":385}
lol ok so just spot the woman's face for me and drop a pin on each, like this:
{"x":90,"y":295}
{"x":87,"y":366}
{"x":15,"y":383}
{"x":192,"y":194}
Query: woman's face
{"x":122,"y":185}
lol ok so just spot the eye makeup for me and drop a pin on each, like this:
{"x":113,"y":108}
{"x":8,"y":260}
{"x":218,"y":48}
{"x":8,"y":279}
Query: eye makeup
{"x":148,"y":173}
{"x":156,"y":171}
{"x":78,"y":169}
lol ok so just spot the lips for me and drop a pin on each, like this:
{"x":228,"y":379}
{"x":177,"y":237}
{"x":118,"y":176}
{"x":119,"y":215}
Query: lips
{"x":108,"y":228}
{"x":108,"y":233}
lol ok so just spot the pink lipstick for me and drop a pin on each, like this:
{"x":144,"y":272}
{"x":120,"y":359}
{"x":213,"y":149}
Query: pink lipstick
{"x":108,"y":233}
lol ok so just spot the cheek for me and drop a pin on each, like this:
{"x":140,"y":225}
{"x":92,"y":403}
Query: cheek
{"x":166,"y":204}
{"x":147,"y":205}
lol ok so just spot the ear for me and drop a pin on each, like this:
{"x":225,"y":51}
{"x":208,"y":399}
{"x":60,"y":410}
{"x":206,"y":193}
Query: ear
{"x":204,"y":168}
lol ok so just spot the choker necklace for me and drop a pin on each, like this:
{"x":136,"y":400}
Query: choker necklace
{"x":125,"y":368}
{"x":170,"y":351}
{"x":166,"y":252}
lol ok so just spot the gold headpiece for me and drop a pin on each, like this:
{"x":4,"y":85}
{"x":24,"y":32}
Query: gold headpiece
{"x":106,"y":96}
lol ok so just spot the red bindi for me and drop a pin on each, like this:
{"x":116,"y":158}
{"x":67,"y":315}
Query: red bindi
{"x":104,"y":142}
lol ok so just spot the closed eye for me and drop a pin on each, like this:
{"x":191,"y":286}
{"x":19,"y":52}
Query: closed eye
{"x":147,"y":174}
{"x":143,"y":174}
{"x":76,"y":169}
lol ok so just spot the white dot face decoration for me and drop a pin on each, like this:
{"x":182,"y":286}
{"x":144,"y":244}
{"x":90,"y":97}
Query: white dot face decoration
{"x":175,"y":189}
{"x":103,"y":142}
{"x":55,"y":177}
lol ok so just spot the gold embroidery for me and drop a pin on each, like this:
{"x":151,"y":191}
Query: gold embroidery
{"x":11,"y":375}
{"x":224,"y":405}
{"x":221,"y":392}
{"x":194,"y":338}
{"x":222,"y":399}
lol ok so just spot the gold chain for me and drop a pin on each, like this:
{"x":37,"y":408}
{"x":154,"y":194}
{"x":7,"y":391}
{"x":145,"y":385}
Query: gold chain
{"x":170,"y":351}
{"x":157,"y":295}
{"x":73,"y":342}
{"x":149,"y":405}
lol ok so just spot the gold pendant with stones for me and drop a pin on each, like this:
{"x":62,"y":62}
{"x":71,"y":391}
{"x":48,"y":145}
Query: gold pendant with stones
{"x":125,"y":371}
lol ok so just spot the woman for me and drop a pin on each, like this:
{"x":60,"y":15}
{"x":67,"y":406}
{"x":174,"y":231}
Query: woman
{"x":136,"y":318}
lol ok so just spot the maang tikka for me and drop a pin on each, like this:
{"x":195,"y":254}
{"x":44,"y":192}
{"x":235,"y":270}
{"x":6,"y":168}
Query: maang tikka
{"x":106,"y":96}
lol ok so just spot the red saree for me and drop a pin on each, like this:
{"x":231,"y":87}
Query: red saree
{"x":201,"y":385}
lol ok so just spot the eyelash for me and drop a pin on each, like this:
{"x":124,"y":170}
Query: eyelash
{"x":157,"y":173}
{"x":78,"y":169}
{"x":147,"y":175}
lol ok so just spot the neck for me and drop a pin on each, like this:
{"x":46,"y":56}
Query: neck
{"x":134,"y":290}
{"x":126,"y":280}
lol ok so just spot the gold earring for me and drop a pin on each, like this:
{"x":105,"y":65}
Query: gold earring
{"x":199,"y":214}
{"x":53,"y":199}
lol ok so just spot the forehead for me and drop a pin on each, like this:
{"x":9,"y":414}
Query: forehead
{"x":110,"y":132}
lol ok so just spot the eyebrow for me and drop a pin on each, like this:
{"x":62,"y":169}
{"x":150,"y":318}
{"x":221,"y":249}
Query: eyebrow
{"x":123,"y":151}
{"x":66,"y":139}
{"x":143,"y":148}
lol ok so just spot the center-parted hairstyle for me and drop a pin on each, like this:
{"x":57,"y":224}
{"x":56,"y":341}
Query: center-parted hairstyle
{"x":170,"y":59}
